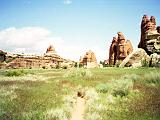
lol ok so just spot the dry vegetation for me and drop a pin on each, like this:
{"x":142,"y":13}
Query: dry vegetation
{"x":110,"y":93}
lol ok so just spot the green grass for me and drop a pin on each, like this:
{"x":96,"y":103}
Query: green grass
{"x":50,"y":94}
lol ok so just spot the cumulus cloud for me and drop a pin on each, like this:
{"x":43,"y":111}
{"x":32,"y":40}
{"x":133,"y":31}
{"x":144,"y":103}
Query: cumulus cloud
{"x":35,"y":40}
{"x":67,"y":2}
{"x":27,"y":39}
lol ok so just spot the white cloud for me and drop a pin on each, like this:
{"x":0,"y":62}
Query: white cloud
{"x":35,"y":40}
{"x":27,"y":39}
{"x":67,"y":2}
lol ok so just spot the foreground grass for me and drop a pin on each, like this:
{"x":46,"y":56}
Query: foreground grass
{"x":111,"y":93}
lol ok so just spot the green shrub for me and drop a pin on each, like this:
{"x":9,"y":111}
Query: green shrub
{"x":120,"y":92}
{"x":65,"y":67}
{"x":44,"y":67}
{"x":102,"y":88}
{"x":145,"y":63}
{"x":11,"y":73}
{"x":122,"y":87}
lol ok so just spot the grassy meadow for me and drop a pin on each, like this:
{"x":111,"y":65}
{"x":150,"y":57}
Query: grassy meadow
{"x":110,"y":93}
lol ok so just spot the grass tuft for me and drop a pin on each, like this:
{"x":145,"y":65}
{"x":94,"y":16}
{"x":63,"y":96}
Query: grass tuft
{"x":78,"y":73}
{"x":152,"y":78}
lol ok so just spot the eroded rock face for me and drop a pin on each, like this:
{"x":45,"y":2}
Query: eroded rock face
{"x":113,"y":51}
{"x":135,"y":59}
{"x":124,"y":47}
{"x":119,"y":49}
{"x":150,"y":37}
{"x":144,"y":22}
{"x":89,"y":60}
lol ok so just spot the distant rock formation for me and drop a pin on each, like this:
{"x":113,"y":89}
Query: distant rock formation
{"x":50,"y":50}
{"x":150,"y":35}
{"x":89,"y":60}
{"x":120,"y":48}
{"x":48,"y":60}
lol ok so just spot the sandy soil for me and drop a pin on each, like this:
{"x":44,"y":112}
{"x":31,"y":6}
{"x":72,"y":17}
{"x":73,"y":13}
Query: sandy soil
{"x":78,"y":111}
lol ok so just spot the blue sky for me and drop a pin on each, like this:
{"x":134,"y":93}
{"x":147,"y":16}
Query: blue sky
{"x":72,"y":26}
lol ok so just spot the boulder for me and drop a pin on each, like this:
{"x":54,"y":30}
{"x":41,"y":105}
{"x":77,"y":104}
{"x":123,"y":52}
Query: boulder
{"x":91,"y":65}
{"x":135,"y":59}
{"x":155,"y":60}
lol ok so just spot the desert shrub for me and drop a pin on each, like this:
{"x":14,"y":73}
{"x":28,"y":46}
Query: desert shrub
{"x":78,"y":73}
{"x":57,"y":66}
{"x":152,"y":78}
{"x":145,"y":63}
{"x":120,"y":92}
{"x":122,"y":86}
{"x":102,"y":88}
{"x":76,"y":64}
{"x":33,"y":115}
{"x":11,"y":73}
{"x":93,"y":116}
{"x":56,"y":114}
{"x":65,"y":67}
{"x":44,"y":67}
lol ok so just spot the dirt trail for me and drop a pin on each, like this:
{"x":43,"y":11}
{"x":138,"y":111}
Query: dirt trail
{"x":78,"y":111}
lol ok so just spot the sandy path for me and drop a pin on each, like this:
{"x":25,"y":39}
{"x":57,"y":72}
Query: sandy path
{"x":78,"y":110}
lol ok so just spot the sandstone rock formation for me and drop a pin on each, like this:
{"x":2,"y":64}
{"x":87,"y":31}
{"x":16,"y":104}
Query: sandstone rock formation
{"x":48,"y":60}
{"x":89,"y":60}
{"x":113,"y":51}
{"x":119,"y":49}
{"x":124,"y":47}
{"x":149,"y":55}
{"x":50,"y":50}
{"x":150,"y":37}
{"x":135,"y":59}
{"x":144,"y":22}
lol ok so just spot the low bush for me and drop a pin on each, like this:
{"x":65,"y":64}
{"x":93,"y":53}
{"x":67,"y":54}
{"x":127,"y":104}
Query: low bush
{"x":65,"y":67}
{"x":102,"y":88}
{"x":11,"y":73}
{"x":122,"y":87}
